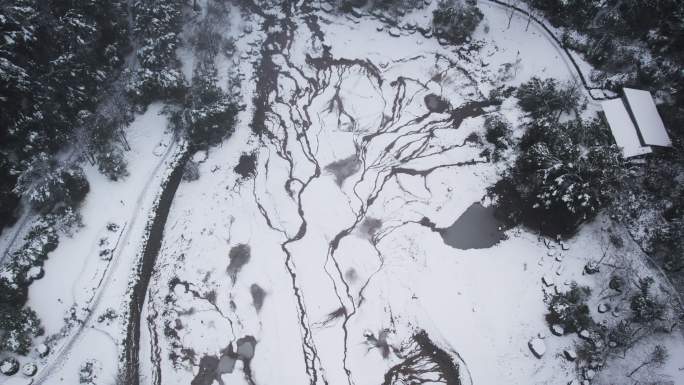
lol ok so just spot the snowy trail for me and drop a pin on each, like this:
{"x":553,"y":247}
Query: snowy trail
{"x":61,"y":355}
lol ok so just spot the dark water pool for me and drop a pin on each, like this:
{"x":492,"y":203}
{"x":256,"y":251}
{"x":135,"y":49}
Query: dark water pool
{"x":476,"y":228}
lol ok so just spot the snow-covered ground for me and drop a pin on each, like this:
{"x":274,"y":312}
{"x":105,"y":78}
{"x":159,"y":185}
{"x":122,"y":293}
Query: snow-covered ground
{"x":327,"y":283}
{"x":89,"y":271}
{"x":322,"y":255}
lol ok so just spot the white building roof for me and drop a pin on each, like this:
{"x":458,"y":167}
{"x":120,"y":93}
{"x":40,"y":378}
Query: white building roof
{"x":623,"y":129}
{"x":647,"y":118}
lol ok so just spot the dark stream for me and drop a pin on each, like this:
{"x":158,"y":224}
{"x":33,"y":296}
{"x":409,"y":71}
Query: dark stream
{"x":130,"y":368}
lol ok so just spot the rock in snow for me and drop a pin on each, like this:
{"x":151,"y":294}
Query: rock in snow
{"x":557,"y":330}
{"x":589,"y":374}
{"x":591,"y":267}
{"x":394,"y":32}
{"x":570,"y":354}
{"x":43,"y":350}
{"x":547,"y":281}
{"x":602,"y":308}
{"x":29,"y":369}
{"x":537,"y":346}
{"x":584,"y":333}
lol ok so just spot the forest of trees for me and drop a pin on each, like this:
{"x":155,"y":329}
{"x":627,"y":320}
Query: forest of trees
{"x":72,"y":74}
{"x":565,"y":171}
{"x":637,"y":43}
{"x":55,"y":61}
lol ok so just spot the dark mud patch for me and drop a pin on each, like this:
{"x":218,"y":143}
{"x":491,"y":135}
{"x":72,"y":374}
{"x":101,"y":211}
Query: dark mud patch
{"x":245,"y":348}
{"x":436,"y":103}
{"x":351,"y":275}
{"x":423,"y":362}
{"x":370,"y":227}
{"x":226,"y":364}
{"x":379,"y":342}
{"x":239,"y":256}
{"x":258,"y":295}
{"x":344,"y":168}
{"x":207,"y":371}
{"x":246,"y":166}
{"x":212,"y":367}
{"x":476,"y":228}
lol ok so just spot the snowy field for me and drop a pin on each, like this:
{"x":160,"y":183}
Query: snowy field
{"x":322,"y":264}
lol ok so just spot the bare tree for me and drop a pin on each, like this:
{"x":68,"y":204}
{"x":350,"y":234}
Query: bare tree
{"x":511,"y":4}
{"x":657,"y":357}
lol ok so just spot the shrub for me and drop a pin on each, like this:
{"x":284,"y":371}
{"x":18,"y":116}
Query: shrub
{"x":622,"y":334}
{"x":9,"y":366}
{"x":668,"y":241}
{"x":570,"y":310}
{"x":212,"y":114}
{"x":87,"y":373}
{"x":548,"y":99}
{"x":645,"y":307}
{"x":67,"y":186}
{"x":191,"y":171}
{"x":497,"y":131}
{"x":112,"y":163}
{"x":20,"y":326}
{"x":455,"y":20}
{"x":150,"y":85}
{"x":212,"y":123}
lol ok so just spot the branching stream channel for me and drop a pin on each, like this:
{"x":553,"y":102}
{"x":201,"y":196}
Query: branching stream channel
{"x":299,"y":94}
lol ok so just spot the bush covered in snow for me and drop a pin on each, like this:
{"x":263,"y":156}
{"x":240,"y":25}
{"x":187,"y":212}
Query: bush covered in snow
{"x":165,"y":84}
{"x":498,"y":133}
{"x":546,"y":98}
{"x":569,"y":309}
{"x":112,"y":162}
{"x":191,"y":171}
{"x":49,"y":185}
{"x":87,"y":373}
{"x":9,"y":366}
{"x":645,"y":306}
{"x":455,"y":20}
{"x":19,"y":324}
{"x":20,"y":327}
